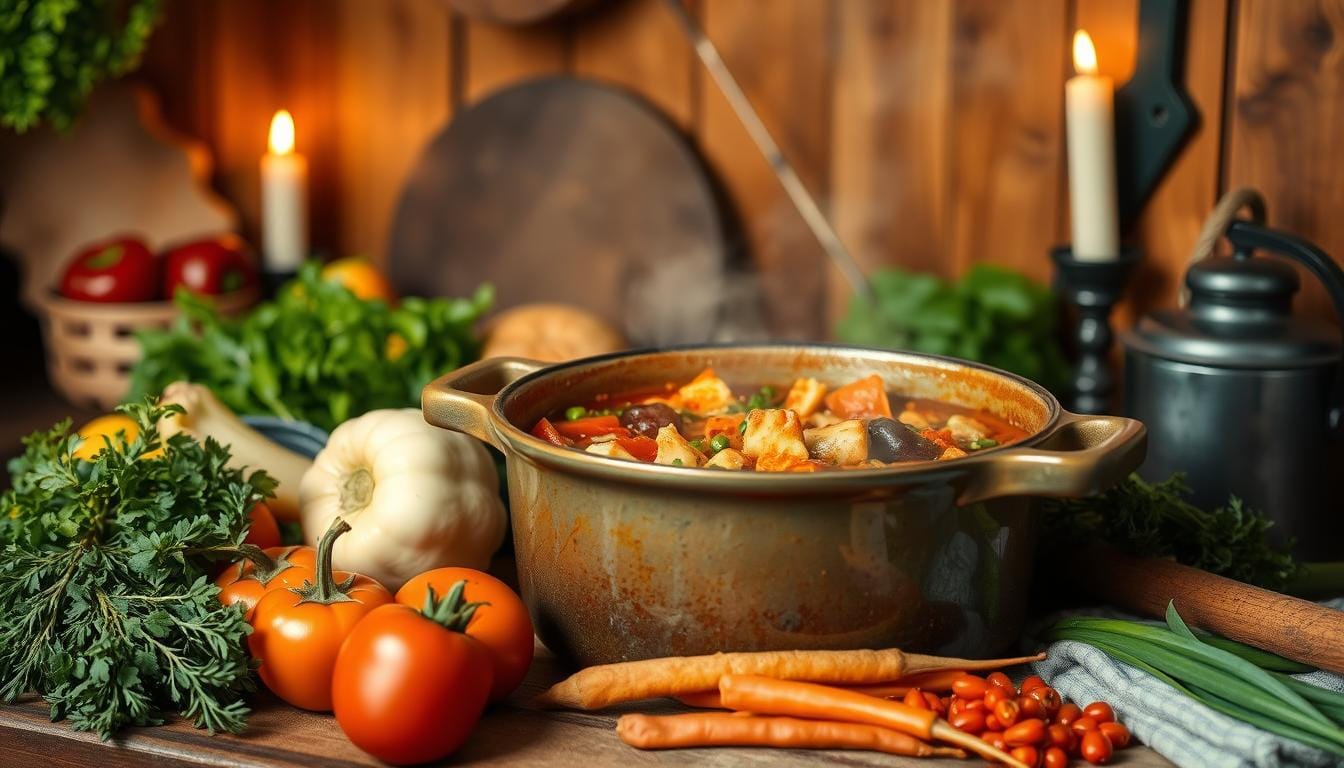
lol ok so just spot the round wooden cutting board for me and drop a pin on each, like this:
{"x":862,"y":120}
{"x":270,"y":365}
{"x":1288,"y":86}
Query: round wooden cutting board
{"x":565,"y":190}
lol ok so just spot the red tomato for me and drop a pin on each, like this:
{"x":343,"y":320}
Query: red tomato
{"x":209,"y":266}
{"x":502,"y":625}
{"x":119,"y":269}
{"x":264,"y":531}
{"x":591,"y":426}
{"x":296,"y":634}
{"x":241,"y":583}
{"x":408,"y":689}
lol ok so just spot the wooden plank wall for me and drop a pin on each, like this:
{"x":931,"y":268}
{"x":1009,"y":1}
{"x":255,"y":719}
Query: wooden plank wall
{"x":932,"y":131}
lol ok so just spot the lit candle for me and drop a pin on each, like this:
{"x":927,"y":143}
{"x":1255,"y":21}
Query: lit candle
{"x":284,"y":215}
{"x":1090,"y":118}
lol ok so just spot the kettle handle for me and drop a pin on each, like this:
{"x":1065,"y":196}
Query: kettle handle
{"x":1246,"y":235}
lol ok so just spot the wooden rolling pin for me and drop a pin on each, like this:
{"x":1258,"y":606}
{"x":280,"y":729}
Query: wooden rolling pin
{"x":1293,"y":628}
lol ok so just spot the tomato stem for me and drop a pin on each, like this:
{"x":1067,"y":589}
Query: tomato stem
{"x":450,"y":612}
{"x":324,"y":589}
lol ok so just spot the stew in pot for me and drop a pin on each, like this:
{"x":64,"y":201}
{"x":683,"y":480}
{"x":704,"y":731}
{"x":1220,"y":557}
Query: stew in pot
{"x":805,"y":427}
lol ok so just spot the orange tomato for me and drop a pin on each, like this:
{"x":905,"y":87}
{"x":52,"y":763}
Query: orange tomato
{"x":408,"y":689}
{"x":297,"y":633}
{"x":264,"y":531}
{"x":501,"y":625}
{"x":92,"y":434}
{"x":242,"y":583}
{"x":361,"y":277}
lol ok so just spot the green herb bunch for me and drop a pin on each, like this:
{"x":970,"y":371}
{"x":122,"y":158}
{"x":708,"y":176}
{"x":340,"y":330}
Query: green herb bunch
{"x":53,"y":52}
{"x":992,"y":315}
{"x":1156,"y":520}
{"x":107,"y":609}
{"x":317,"y":353}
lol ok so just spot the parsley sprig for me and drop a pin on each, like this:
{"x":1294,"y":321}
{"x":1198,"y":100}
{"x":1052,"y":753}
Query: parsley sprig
{"x":106,"y":606}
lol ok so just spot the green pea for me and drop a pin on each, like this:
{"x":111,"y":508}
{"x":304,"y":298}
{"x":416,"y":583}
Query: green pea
{"x":768,"y":392}
{"x":576,"y":412}
{"x":719,"y":442}
{"x":698,"y":444}
{"x":756,"y":402}
{"x":676,"y":462}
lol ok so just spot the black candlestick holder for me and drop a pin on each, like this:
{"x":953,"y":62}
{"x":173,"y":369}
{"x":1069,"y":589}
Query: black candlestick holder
{"x":1093,"y":287}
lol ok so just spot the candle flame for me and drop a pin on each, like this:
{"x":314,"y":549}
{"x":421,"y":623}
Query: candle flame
{"x":282,"y":133}
{"x":1084,"y":54}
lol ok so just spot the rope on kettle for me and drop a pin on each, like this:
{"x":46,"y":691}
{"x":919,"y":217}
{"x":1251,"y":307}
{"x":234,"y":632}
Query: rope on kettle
{"x":1217,"y":222}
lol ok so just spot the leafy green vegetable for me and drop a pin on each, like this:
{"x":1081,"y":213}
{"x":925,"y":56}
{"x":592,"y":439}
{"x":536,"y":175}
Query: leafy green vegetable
{"x":317,"y":353}
{"x":53,"y":52}
{"x":992,"y":315}
{"x":1224,"y":675}
{"x":1155,"y":520}
{"x":107,"y":609}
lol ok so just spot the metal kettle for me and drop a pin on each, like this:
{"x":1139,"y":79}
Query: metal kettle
{"x":1244,"y":397}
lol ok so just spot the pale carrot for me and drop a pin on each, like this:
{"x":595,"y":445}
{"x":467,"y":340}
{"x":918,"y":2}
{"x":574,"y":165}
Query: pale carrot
{"x":768,"y":696}
{"x":934,"y":682}
{"x":725,"y":729}
{"x":608,"y":684}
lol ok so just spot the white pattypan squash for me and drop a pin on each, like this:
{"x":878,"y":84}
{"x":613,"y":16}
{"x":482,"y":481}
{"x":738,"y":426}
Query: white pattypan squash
{"x":417,"y":497}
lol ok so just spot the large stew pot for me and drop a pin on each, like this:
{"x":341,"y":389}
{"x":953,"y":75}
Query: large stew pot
{"x":621,"y":560}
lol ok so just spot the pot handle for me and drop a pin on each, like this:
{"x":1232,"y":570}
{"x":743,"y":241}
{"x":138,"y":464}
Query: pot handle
{"x":461,"y":400}
{"x":1084,"y":455}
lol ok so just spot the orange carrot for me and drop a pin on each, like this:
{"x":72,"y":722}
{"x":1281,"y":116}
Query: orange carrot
{"x":768,"y":696}
{"x":862,"y":399}
{"x":601,"y":686}
{"x":939,"y":681}
{"x":724,"y":729}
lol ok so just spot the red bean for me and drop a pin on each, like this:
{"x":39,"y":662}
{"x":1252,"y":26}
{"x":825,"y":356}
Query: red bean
{"x":1026,"y":732}
{"x":1083,"y":725}
{"x":970,"y":687}
{"x":1117,"y":733}
{"x":1029,"y":755}
{"x":992,"y":723}
{"x":1056,"y":758}
{"x":994,"y":695}
{"x":1048,"y":697}
{"x":995,"y":739}
{"x":1059,"y":735}
{"x":936,"y":704}
{"x":1068,"y":713}
{"x":1096,"y":748}
{"x":915,"y":698}
{"x":971,"y":721}
{"x":1032,"y":683}
{"x":1031,"y":706}
{"x":1000,"y":680}
{"x":1007,"y":712}
{"x":1099,"y":711}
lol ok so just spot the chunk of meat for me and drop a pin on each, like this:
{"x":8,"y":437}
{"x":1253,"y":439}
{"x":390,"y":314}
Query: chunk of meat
{"x":647,"y":419}
{"x":611,"y":449}
{"x":705,"y":394}
{"x":805,"y":397}
{"x":729,"y":425}
{"x":952,"y":453}
{"x":673,"y":449}
{"x":843,"y":443}
{"x":862,"y":399}
{"x":914,"y":418}
{"x":775,"y":433}
{"x":966,"y":430}
{"x":728,"y":458}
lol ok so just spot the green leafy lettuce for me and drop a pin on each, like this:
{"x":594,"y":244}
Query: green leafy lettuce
{"x":992,"y":315}
{"x":317,"y":353}
{"x":53,"y":52}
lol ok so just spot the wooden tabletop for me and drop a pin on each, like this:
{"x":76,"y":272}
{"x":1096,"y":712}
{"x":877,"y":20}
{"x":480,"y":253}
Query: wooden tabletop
{"x":514,"y":733}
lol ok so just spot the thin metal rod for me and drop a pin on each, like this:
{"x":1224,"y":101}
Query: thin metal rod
{"x":788,"y":177}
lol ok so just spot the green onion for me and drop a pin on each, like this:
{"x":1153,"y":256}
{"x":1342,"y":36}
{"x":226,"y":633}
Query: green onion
{"x":755,"y":402}
{"x":984,"y":442}
{"x":768,"y":392}
{"x":718,"y":443}
{"x":742,"y":427}
{"x":1242,"y":682}
{"x":575,"y":413}
{"x":676,"y":462}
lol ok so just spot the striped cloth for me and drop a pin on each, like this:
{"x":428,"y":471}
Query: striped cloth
{"x":1178,"y":727}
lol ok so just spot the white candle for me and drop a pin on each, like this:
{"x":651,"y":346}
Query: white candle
{"x":284,"y":207}
{"x":1090,"y":118}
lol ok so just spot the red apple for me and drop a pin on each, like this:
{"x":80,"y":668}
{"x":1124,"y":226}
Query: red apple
{"x":119,"y":269}
{"x":209,"y":266}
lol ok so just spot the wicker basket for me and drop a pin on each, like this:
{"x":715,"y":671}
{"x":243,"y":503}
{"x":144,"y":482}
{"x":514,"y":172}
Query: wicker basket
{"x":91,"y":346}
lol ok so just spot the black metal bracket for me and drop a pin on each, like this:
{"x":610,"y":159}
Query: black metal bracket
{"x":1153,"y":114}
